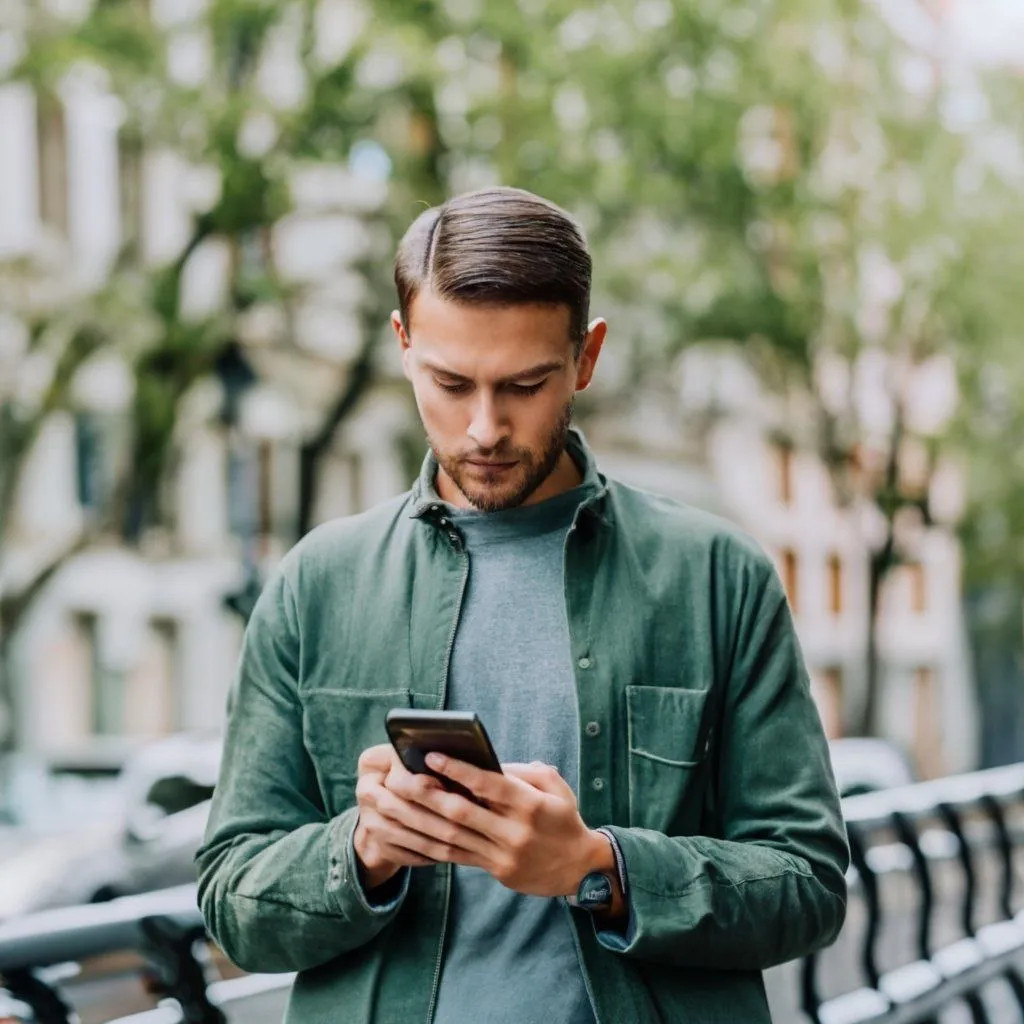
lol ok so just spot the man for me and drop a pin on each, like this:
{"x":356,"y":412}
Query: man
{"x":666,"y":824}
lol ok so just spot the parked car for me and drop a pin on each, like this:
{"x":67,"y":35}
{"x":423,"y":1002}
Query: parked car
{"x":143,"y":838}
{"x":864,"y":764}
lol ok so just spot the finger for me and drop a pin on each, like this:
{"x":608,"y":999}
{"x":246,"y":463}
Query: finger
{"x":395,"y":834}
{"x":368,"y":785}
{"x":401,"y":775}
{"x":450,"y":830}
{"x":377,"y":831}
{"x":379,"y":758}
{"x":403,"y":857}
{"x":493,"y":787}
{"x":454,"y":808}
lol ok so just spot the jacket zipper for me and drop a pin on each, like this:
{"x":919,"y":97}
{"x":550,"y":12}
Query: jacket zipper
{"x":579,"y":958}
{"x":440,"y":945}
{"x":444,"y":697}
{"x":572,"y":925}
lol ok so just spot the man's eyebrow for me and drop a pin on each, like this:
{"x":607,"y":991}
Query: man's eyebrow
{"x":533,"y":371}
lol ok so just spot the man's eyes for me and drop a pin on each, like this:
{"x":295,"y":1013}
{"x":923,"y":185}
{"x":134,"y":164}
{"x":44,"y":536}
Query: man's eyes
{"x":516,"y":389}
{"x":526,"y":389}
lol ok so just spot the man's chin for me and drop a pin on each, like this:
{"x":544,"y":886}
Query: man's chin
{"x":494,"y":497}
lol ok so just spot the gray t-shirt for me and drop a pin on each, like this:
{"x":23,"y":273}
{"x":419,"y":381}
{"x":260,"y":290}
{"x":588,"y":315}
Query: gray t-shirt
{"x":510,"y":958}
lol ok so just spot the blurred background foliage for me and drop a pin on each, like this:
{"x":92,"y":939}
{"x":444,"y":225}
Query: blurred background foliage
{"x":788,"y":176}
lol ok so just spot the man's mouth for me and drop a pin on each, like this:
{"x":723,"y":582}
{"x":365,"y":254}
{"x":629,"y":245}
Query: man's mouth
{"x":489,"y":464}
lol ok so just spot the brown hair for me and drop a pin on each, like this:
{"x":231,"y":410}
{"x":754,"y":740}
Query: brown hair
{"x":497,"y":246}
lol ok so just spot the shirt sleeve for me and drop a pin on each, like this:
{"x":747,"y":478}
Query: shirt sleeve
{"x":278,"y":885}
{"x":769,"y":886}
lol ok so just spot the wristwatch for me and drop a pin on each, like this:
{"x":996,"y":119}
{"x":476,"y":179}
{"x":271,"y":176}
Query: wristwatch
{"x":596,"y":888}
{"x":594,"y":893}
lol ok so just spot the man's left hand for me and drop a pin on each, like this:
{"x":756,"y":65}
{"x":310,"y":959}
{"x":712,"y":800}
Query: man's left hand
{"x":529,"y":836}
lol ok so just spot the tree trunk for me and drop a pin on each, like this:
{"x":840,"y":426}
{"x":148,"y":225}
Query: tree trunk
{"x":8,"y":697}
{"x":8,"y":716}
{"x":879,"y":565}
{"x":359,"y":379}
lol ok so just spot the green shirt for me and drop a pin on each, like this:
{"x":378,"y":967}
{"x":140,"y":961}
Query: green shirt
{"x":709,"y":764}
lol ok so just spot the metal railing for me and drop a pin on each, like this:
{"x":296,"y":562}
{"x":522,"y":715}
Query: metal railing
{"x":164,"y":927}
{"x":927,"y":844}
{"x":953,"y":840}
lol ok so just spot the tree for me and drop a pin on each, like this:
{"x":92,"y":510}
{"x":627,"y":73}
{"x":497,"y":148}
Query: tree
{"x":777,"y":174}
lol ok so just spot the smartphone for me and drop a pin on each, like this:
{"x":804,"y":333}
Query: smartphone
{"x":458,"y":734}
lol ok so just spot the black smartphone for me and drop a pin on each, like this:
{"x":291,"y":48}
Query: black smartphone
{"x":458,"y":734}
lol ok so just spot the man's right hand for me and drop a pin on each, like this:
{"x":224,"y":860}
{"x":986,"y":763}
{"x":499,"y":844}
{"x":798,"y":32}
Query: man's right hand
{"x":378,"y":859}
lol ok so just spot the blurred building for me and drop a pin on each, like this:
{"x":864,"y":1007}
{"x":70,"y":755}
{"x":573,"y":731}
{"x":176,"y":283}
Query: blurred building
{"x":129,"y":643}
{"x":732,"y":462}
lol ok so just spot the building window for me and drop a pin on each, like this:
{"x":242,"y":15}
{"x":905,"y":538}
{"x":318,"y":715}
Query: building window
{"x":827,"y":691}
{"x":784,"y":473}
{"x":52,"y":142}
{"x":139,"y":701}
{"x":150,"y":707}
{"x":835,"y":584}
{"x":243,"y":488}
{"x":106,"y":685}
{"x":129,"y":153}
{"x":790,"y":568}
{"x":265,"y":485}
{"x":96,"y":453}
{"x":354,"y":471}
{"x":927,"y":732}
{"x":263,"y":488}
{"x":918,"y":587}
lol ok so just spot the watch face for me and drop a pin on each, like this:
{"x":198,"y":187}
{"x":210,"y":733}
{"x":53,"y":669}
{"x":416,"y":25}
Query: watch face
{"x":595,"y":891}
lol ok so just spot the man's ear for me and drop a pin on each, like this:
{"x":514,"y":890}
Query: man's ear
{"x":591,"y":350}
{"x":403,"y":341}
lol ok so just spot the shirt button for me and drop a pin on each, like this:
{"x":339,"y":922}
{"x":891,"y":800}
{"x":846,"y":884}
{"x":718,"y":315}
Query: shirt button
{"x":593,"y":728}
{"x":598,"y":784}
{"x":584,"y":662}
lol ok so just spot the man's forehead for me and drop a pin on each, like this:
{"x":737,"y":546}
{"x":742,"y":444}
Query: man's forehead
{"x":489,"y":342}
{"x":433,"y":314}
{"x":500,"y":370}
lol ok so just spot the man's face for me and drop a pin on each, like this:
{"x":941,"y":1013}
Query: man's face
{"x":495,"y":388}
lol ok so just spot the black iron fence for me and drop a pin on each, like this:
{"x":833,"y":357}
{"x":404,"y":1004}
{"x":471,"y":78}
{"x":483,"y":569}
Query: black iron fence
{"x":171,"y":966}
{"x":932,"y":926}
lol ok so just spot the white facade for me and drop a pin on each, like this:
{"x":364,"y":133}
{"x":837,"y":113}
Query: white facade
{"x":821,"y":550}
{"x":123,"y":644}
{"x":129,"y":644}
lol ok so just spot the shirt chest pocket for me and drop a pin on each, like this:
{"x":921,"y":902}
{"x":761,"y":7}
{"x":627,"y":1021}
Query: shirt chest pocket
{"x":337,"y":726}
{"x":668,"y":746}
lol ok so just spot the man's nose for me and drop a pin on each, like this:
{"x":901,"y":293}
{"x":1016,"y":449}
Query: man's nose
{"x":488,"y":427}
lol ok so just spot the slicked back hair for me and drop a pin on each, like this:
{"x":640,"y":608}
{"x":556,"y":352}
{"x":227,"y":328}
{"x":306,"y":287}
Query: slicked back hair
{"x":497,"y":247}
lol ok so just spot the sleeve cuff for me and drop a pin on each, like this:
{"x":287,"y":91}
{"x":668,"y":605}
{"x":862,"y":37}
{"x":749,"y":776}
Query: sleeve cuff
{"x":615,"y":940}
{"x":343,"y":885}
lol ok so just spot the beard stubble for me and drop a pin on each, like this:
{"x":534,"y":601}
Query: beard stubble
{"x":532,"y":469}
